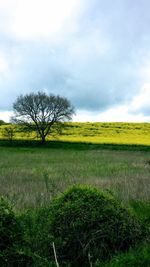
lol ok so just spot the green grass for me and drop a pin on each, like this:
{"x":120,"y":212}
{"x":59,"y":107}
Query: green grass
{"x":31,"y":176}
{"x":110,"y":156}
{"x":138,"y":257}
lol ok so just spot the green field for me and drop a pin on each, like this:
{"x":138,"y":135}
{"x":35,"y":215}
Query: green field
{"x":113,"y":157}
{"x":29,"y":176}
{"x":30,"y":173}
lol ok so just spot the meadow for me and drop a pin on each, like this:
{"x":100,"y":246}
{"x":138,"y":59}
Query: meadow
{"x":109,"y":156}
{"x":97,"y":133}
{"x":31,"y":176}
{"x":110,"y":133}
{"x":113,"y":156}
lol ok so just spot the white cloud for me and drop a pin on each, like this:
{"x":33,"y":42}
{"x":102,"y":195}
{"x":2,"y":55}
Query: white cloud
{"x":4,"y":3}
{"x":82,"y":49}
{"x":141,"y":102}
{"x":137,"y":110}
{"x":7,"y":8}
{"x":90,"y":44}
{"x":43,"y":18}
{"x":5,"y":115}
{"x":116,"y":114}
{"x":4,"y":67}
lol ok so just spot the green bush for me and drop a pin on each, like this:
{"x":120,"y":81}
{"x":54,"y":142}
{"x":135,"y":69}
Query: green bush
{"x":10,"y":231}
{"x":142,"y":210}
{"x":11,"y":238}
{"x":138,"y":257}
{"x":85,"y":224}
{"x":36,"y":225}
{"x":88,"y":224}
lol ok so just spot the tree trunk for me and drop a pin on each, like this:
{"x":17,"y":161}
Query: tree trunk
{"x":43,"y":139}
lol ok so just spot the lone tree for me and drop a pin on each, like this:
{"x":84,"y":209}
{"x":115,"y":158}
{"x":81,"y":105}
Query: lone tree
{"x":9,"y":133}
{"x":2,"y":122}
{"x":41,"y":112}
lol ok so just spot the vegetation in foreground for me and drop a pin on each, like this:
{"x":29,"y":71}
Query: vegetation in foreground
{"x":82,"y":227}
{"x":31,"y":176}
{"x":137,"y":257}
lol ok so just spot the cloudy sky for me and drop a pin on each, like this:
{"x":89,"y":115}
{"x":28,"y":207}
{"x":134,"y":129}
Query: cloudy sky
{"x":94,"y":52}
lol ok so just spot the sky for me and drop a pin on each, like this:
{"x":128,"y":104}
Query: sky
{"x":96,"y":53}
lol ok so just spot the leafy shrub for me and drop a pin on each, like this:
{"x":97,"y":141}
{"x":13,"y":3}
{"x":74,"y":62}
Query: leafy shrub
{"x":10,"y":232}
{"x":11,"y":238}
{"x":36,"y":225}
{"x":142,"y":210}
{"x":88,"y":224}
{"x":138,"y":257}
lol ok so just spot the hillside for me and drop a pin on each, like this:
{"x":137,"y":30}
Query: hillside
{"x":96,"y":132}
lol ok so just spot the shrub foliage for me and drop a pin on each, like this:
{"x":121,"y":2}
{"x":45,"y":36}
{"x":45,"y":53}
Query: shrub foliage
{"x":12,"y":251}
{"x":87,"y":227}
{"x":88,"y":224}
{"x":137,"y":257}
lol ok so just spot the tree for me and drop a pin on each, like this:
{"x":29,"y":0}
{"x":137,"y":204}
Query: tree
{"x":9,"y":133}
{"x":2,"y":122}
{"x":41,"y":112}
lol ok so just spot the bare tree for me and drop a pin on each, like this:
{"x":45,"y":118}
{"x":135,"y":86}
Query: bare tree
{"x":41,"y":112}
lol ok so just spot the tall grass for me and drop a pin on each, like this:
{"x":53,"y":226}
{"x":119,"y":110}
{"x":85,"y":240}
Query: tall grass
{"x":110,"y":156}
{"x":31,"y":177}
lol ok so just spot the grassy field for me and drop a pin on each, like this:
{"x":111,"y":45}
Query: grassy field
{"x":30,"y":176}
{"x":116,"y":133}
{"x":114,"y":157}
{"x":99,"y":133}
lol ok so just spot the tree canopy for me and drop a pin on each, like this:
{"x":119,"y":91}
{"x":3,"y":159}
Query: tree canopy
{"x":41,"y":112}
{"x":2,"y":122}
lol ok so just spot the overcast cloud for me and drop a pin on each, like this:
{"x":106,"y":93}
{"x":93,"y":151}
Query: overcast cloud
{"x":96,"y":53}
